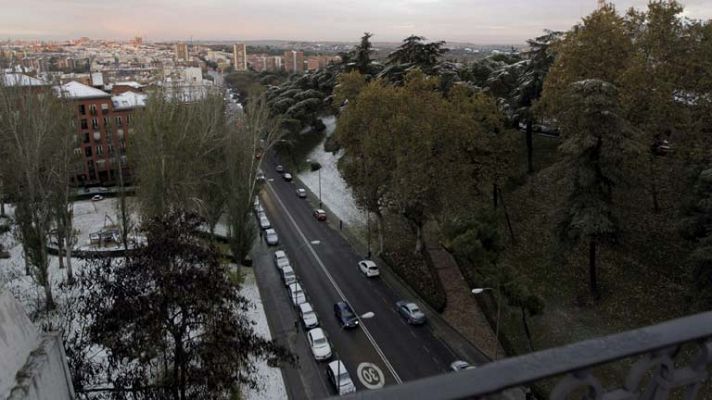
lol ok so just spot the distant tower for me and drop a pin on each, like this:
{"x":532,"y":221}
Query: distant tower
{"x":601,"y":3}
{"x":239,"y":56}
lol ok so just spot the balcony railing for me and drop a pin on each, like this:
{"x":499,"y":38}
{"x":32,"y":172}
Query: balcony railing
{"x":661,"y":367}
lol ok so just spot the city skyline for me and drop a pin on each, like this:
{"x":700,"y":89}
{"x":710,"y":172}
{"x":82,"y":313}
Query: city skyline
{"x":472,"y":21}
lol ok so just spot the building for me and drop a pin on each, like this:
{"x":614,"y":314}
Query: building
{"x":239,"y":54}
{"x":192,"y":75}
{"x":315,"y":63}
{"x":181,"y":51}
{"x":137,"y":41}
{"x":102,"y":129}
{"x":33,"y":365}
{"x":274,"y":63}
{"x":294,"y":61}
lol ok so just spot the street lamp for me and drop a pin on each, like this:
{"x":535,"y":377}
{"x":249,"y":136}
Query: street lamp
{"x":496,"y":335}
{"x":368,"y":232}
{"x":319,"y":172}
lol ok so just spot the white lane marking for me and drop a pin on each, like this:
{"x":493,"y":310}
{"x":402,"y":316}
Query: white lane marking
{"x":333,"y":283}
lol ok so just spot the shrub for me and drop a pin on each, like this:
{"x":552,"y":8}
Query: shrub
{"x":314,"y":166}
{"x":416,"y":272}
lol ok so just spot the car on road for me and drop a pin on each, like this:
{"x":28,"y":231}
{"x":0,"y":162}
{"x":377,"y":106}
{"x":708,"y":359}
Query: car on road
{"x":411,"y":312}
{"x":296,"y":294}
{"x":319,"y":344}
{"x":320,"y":214}
{"x":460,"y":365}
{"x":368,"y":268}
{"x":288,"y":275}
{"x":345,"y":315}
{"x":301,"y":193}
{"x":287,"y":177}
{"x":308,"y":316}
{"x":280,"y":259}
{"x":97,"y":197}
{"x":259,"y":209}
{"x":264,"y":222}
{"x":339,"y":378}
{"x":279,"y":168}
{"x":271,"y":237}
{"x":260,"y":178}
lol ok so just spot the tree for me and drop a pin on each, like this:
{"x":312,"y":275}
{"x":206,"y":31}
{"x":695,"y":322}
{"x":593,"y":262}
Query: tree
{"x":697,"y":227}
{"x":414,"y":52}
{"x":34,"y":130}
{"x":596,"y":140}
{"x":363,"y":53}
{"x":530,"y":85}
{"x":172,"y":322}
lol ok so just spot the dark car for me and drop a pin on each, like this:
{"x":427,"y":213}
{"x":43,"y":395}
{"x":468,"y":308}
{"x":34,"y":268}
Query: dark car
{"x":410,"y":312}
{"x":345,"y":315}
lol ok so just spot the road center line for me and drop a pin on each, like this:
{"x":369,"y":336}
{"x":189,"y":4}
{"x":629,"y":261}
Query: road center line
{"x":333,"y":283}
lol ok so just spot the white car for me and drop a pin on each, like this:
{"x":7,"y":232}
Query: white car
{"x":296,"y":294}
{"x":319,"y":344}
{"x":368,"y":268}
{"x":309,"y":319}
{"x":288,"y":275}
{"x":97,"y":197}
{"x":280,"y":259}
{"x":271,"y":237}
{"x":287,"y":177}
{"x":460,"y":365}
{"x":340,"y":378}
{"x":301,"y":193}
{"x":264,"y":222}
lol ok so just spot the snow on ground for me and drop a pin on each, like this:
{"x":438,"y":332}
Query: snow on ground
{"x":90,"y":217}
{"x":270,"y":382}
{"x":337,"y":196}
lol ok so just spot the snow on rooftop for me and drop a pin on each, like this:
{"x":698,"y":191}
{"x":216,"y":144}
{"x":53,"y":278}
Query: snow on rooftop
{"x":129,"y":100}
{"x":132,"y":84}
{"x":21,"y":80}
{"x":78,"y":90}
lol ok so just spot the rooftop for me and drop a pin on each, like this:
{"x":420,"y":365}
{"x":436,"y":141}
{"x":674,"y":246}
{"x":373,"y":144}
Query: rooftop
{"x":76,"y":90}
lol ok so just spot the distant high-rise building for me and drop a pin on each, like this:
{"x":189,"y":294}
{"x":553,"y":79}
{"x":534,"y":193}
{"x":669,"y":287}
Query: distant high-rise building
{"x":294,"y":61}
{"x":182,"y":51}
{"x":274,"y":63}
{"x":137,"y":41}
{"x":239,"y":55}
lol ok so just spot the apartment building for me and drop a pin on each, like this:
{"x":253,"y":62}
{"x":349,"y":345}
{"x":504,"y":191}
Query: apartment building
{"x":294,"y":61}
{"x":239,"y":54}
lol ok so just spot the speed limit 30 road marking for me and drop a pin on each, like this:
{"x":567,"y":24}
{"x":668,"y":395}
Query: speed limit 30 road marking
{"x":370,"y":375}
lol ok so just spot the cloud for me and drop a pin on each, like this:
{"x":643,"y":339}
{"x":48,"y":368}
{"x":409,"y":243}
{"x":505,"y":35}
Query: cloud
{"x":479,"y":21}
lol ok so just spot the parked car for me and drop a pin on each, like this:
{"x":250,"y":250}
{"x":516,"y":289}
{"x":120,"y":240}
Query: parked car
{"x":320,"y":214}
{"x":260,"y":178}
{"x":308,"y":316}
{"x":345,"y":315}
{"x":280,"y":259}
{"x":287,"y":177}
{"x":368,"y":268}
{"x":319,"y":344}
{"x":97,"y":197}
{"x":288,"y":275}
{"x":280,"y":168}
{"x":264,"y":222}
{"x":296,"y":294}
{"x":411,"y":312}
{"x":339,"y":377}
{"x":301,"y":193}
{"x":460,"y":365}
{"x":271,"y":237}
{"x":259,"y":209}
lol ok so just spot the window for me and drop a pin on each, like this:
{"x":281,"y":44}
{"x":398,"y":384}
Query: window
{"x":84,"y":123}
{"x":87,"y":151}
{"x":86,"y":137}
{"x":128,"y":118}
{"x":109,"y":136}
{"x":99,"y":150}
{"x":82,"y":109}
{"x":110,"y":147}
{"x":77,"y":152}
{"x":92,"y":109}
{"x":106,"y":122}
{"x":119,"y":122}
{"x":104,"y":108}
{"x":95,"y":123}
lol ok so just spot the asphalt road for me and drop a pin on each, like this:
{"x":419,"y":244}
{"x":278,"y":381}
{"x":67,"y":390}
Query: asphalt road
{"x":328,"y":273}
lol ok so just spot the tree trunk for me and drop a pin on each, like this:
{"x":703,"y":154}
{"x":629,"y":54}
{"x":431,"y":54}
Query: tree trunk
{"x":495,"y":190}
{"x":68,"y":254}
{"x":49,"y":299}
{"x":527,"y":332}
{"x":380,"y":232}
{"x":506,"y":216}
{"x":60,"y":246}
{"x":418,"y":239}
{"x":654,"y":187}
{"x":530,"y":147}
{"x":593,"y":283}
{"x":2,"y":207}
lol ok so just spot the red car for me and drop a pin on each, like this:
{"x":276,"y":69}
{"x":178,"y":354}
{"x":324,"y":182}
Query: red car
{"x":320,"y":214}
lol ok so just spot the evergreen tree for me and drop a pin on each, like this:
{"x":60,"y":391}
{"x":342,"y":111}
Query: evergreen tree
{"x":698,"y":229}
{"x":363,"y":54}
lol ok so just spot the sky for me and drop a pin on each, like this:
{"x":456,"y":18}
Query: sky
{"x":473,"y":21}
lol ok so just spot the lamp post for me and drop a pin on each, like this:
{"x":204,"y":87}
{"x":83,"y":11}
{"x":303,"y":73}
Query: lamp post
{"x":496,"y":335}
{"x":319,"y":172}
{"x":368,"y":232}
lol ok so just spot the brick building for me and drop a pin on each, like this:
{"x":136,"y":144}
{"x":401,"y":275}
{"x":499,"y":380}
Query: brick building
{"x":239,"y":54}
{"x":102,"y":129}
{"x":294,"y":61}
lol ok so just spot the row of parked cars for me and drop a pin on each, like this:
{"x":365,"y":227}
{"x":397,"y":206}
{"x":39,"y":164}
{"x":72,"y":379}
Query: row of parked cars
{"x":318,"y":341}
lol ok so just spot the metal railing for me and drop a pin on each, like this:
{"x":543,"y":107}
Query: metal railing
{"x":659,"y":368}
